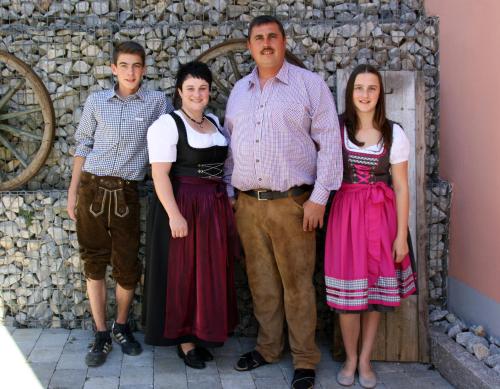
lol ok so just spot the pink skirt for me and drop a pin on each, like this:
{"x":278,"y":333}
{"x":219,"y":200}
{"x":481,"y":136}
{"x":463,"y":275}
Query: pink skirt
{"x":359,"y":266}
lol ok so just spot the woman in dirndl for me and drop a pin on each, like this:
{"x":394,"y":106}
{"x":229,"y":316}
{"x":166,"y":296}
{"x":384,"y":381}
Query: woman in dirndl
{"x":190,"y":298}
{"x":367,"y":256}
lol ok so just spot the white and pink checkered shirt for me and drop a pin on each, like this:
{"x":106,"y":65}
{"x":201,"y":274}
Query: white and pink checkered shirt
{"x":285,"y":135}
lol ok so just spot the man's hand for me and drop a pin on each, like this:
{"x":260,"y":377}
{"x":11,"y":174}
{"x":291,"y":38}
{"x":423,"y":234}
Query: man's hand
{"x":313,"y":215}
{"x":71,"y":206}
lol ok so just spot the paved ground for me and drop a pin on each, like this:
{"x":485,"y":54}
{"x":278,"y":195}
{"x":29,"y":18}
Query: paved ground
{"x":35,"y":358}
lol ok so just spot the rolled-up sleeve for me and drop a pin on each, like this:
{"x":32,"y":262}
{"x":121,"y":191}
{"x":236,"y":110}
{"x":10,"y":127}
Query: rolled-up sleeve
{"x":326,"y":134}
{"x":84,"y":135}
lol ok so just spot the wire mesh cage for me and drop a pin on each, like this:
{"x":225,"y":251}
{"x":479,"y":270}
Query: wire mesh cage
{"x":69,"y":45}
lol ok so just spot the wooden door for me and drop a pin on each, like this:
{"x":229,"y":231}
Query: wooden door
{"x":403,"y":335}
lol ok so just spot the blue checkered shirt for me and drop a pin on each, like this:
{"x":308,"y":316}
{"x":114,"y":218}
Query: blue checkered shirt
{"x":112,"y":132}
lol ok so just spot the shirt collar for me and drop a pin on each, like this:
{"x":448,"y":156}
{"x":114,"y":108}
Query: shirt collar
{"x":139,"y":94}
{"x":282,"y":75}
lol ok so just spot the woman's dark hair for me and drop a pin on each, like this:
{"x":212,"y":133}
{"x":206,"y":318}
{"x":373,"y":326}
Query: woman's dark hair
{"x":350,"y":116}
{"x":194,"y":69}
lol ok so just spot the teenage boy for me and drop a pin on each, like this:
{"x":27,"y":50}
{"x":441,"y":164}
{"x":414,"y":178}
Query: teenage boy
{"x":110,"y":159}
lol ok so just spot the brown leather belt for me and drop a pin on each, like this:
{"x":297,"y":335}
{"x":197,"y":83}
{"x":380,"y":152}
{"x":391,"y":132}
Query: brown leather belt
{"x":266,"y":194}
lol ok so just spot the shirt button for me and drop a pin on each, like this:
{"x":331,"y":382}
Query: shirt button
{"x":256,"y":141}
{"x":262,"y":106}
{"x":260,"y":179}
{"x":257,"y":160}
{"x":258,"y":122}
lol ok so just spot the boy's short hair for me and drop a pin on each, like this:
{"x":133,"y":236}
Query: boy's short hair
{"x":129,"y":47}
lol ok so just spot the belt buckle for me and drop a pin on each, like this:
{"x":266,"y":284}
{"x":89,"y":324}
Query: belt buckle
{"x":258,"y":194}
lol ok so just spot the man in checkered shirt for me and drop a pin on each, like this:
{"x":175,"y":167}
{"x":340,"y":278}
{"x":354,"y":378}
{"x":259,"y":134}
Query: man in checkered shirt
{"x":285,"y":158}
{"x":110,"y":159}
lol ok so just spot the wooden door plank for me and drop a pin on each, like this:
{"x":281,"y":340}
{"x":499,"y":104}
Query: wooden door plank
{"x":422,"y":229}
{"x":379,"y":347}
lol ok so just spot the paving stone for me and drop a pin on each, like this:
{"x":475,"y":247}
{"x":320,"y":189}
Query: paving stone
{"x":26,"y":347}
{"x":81,"y":334}
{"x":166,"y":365}
{"x":145,"y":359}
{"x":27,"y":334}
{"x":109,"y":369}
{"x":43,"y":371}
{"x":272,"y":370}
{"x":160,"y":366}
{"x":71,"y":360}
{"x":225,"y":365}
{"x":132,"y":376}
{"x":271,"y":383}
{"x":386,"y":367}
{"x":333,"y":384}
{"x":102,"y":383}
{"x":195,"y":374}
{"x":52,"y":339}
{"x":232,"y":347}
{"x":436,"y":382}
{"x":204,"y":382}
{"x":240,"y":382}
{"x":68,"y":378}
{"x":166,"y":352}
{"x":170,"y":381}
{"x":81,"y":346}
{"x":45,"y":354}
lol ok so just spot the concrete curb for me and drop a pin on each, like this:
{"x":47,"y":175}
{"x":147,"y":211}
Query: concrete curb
{"x":460,"y":368}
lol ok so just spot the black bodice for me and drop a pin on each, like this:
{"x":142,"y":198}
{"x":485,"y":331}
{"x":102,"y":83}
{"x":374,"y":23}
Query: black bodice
{"x":365,"y":168}
{"x":204,"y":163}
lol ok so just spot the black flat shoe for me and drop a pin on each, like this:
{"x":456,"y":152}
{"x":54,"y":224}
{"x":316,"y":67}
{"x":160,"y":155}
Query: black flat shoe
{"x":303,"y":379}
{"x":204,"y":354}
{"x":191,"y":358}
{"x":249,"y":361}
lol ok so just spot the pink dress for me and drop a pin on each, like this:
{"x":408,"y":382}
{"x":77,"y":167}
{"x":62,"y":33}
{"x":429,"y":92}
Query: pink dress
{"x":360,"y":272}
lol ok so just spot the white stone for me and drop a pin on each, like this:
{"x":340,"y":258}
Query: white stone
{"x":81,"y":67}
{"x":492,"y":360}
{"x":6,"y":242}
{"x":464,"y":337}
{"x":102,"y":71}
{"x":480,"y":351}
{"x":100,"y":7}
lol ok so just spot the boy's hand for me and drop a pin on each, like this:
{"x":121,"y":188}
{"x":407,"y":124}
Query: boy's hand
{"x":71,"y":207}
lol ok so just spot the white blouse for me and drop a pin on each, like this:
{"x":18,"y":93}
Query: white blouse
{"x":400,"y":149}
{"x":163,"y":137}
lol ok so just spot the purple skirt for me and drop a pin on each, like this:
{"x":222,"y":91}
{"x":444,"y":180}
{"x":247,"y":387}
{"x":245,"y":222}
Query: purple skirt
{"x":198,"y":301}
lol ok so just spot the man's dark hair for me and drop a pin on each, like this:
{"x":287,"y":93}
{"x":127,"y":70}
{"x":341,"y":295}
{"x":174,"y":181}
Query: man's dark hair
{"x":129,"y":47}
{"x":264,"y":19}
{"x":194,"y":69}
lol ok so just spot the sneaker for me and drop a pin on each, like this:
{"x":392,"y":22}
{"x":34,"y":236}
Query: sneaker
{"x":100,"y":348}
{"x":123,"y":336}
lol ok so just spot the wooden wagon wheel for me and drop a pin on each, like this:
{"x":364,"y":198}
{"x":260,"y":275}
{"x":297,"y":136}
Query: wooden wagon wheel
{"x":23,"y":97}
{"x":229,"y":62}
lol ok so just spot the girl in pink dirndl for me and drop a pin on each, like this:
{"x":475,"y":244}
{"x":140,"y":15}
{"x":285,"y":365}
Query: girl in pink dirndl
{"x":367,"y":262}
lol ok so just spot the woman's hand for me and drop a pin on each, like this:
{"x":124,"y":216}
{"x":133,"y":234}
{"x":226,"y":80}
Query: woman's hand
{"x":400,"y":248}
{"x":178,"y":226}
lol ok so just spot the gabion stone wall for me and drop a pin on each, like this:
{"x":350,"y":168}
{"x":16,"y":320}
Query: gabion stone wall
{"x":69,"y":44}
